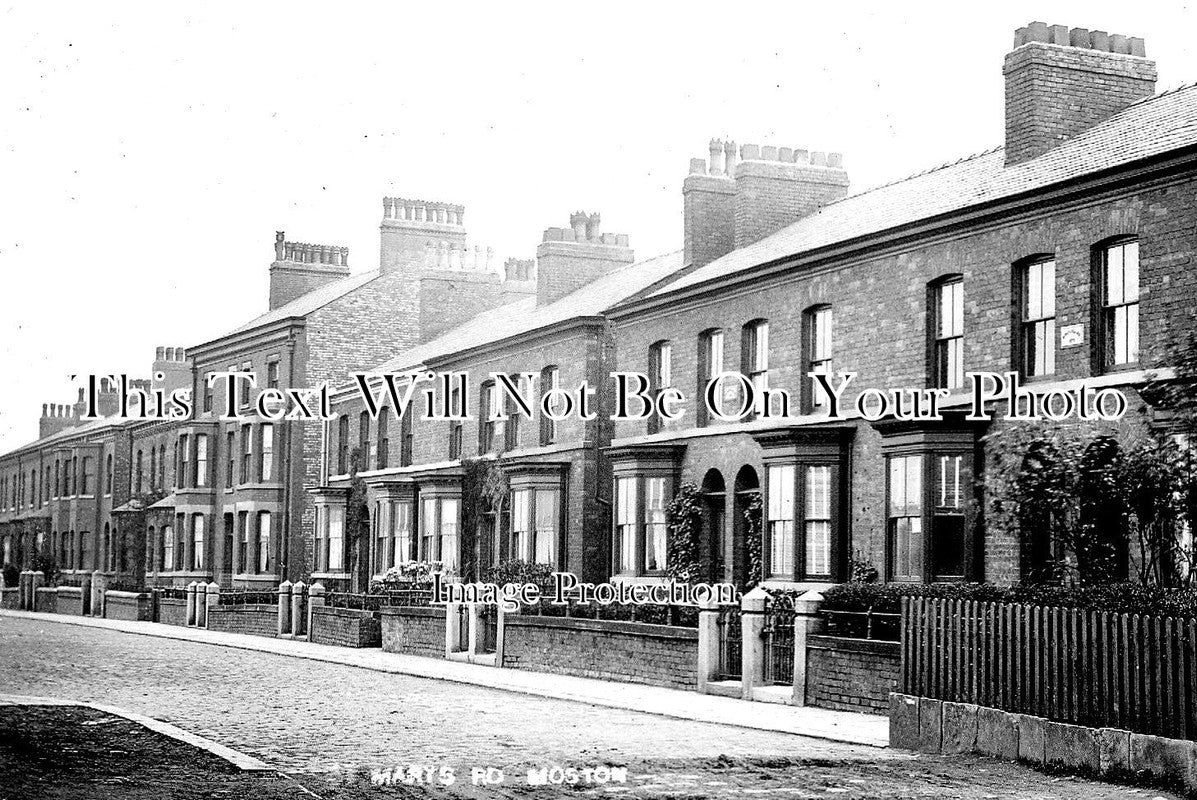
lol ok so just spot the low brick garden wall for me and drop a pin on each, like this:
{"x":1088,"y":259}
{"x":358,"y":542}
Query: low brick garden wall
{"x":70,"y":600}
{"x":938,"y":726}
{"x":259,"y":620}
{"x":657,"y":655}
{"x":10,"y":597}
{"x":172,"y":611}
{"x":346,"y":627}
{"x":132,"y":606}
{"x":851,"y":674}
{"x":415,"y":631}
{"x":46,"y":599}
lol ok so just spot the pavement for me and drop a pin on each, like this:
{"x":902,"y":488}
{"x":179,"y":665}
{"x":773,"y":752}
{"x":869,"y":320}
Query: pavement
{"x":837,"y":726}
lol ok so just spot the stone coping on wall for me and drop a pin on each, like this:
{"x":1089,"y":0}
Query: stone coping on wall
{"x":127,"y":595}
{"x":354,"y":613}
{"x":939,"y":726}
{"x":412,"y":611}
{"x":603,"y":626}
{"x":69,"y":590}
{"x":881,"y":648}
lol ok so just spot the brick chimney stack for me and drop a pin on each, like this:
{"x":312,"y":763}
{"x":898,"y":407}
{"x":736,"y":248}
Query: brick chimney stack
{"x":1060,"y":82}
{"x":411,"y":229}
{"x":730,"y":203}
{"x":299,"y":268}
{"x":569,"y":258}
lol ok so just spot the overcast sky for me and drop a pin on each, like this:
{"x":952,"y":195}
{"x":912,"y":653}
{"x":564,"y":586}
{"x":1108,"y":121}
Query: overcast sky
{"x":148,"y":152}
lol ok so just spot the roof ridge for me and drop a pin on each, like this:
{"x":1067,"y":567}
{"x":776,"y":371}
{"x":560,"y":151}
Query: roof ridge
{"x":921,"y":173}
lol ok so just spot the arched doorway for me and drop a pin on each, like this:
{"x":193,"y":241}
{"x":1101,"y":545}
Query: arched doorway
{"x":746,"y":524}
{"x":714,"y":493}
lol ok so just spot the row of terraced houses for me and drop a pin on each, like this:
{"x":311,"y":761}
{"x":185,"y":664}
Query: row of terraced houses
{"x":1065,"y":255}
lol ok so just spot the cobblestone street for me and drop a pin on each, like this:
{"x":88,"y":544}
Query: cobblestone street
{"x":329,"y":723}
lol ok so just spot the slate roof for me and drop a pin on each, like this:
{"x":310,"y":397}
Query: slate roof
{"x":84,"y":428}
{"x":1149,"y":127}
{"x":313,"y":300}
{"x":524,"y":316}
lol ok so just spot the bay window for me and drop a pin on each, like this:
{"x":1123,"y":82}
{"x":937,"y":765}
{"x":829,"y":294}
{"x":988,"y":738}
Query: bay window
{"x":401,"y":518}
{"x":264,"y":562}
{"x":198,"y":537}
{"x":781,"y":520}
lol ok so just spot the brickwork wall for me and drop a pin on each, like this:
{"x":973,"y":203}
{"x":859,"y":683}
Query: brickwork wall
{"x":772,"y":194}
{"x":851,"y":674}
{"x":345,"y":627}
{"x":70,"y":602}
{"x":117,"y":606}
{"x":258,"y":620}
{"x":656,"y":655}
{"x":888,"y":293}
{"x":414,"y":631}
{"x":172,"y":611}
{"x":10,"y":597}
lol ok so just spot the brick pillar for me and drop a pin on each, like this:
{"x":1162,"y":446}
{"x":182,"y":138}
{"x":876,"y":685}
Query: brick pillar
{"x":23,"y":587}
{"x":708,"y":642}
{"x":475,"y":618}
{"x":299,"y":592}
{"x":191,"y":603}
{"x":752,"y":623}
{"x":315,"y":598}
{"x":99,"y":585}
{"x":452,"y":628}
{"x":212,"y":597}
{"x":37,"y":580}
{"x":201,"y":604}
{"x":284,"y":608}
{"x":807,"y":621}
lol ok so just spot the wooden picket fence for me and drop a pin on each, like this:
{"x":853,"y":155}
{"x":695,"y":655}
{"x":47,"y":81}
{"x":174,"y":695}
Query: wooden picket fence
{"x":1132,"y":671}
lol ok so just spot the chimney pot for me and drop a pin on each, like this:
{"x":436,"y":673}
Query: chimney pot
{"x":818,"y":159}
{"x":801,"y":156}
{"x":593,"y":230}
{"x":1079,"y":37}
{"x":1100,"y":40}
{"x":785,"y":154}
{"x":1058,"y":34}
{"x":716,"y":150}
{"x":698,"y":166}
{"x":769,"y":153}
{"x":1037,"y":32}
{"x":750,"y":152}
{"x":577,"y":221}
{"x":1137,"y":47}
{"x":835,"y":160}
{"x":729,"y":158}
{"x":1119,"y":44}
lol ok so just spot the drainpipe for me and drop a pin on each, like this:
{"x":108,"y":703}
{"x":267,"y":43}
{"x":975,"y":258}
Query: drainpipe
{"x":285,"y":572}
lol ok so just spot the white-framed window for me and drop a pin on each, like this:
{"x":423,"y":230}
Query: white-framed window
{"x":198,"y":537}
{"x":906,"y":517}
{"x":267,"y":433}
{"x":448,"y":533}
{"x":1038,"y":319}
{"x":755,"y":359}
{"x":401,"y":519}
{"x":818,"y":353}
{"x":948,"y":319}
{"x":265,"y":562}
{"x":548,"y":526}
{"x":201,"y":460}
{"x":521,"y":524}
{"x":656,"y":526}
{"x":428,"y":528}
{"x":781,"y":520}
{"x":817,"y":521}
{"x":627,"y":502}
{"x":1120,"y":303}
{"x":550,"y":378}
{"x":336,"y":538}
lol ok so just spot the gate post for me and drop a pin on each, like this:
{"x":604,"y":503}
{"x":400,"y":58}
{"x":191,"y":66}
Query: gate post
{"x":752,"y":625}
{"x":201,"y":604}
{"x":708,"y":642}
{"x":452,"y":629}
{"x":284,"y":608}
{"x":212,"y":599}
{"x":36,"y":581}
{"x":807,"y":621}
{"x":23,"y":584}
{"x":315,"y":598}
{"x":299,"y":593}
{"x":191,"y":603}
